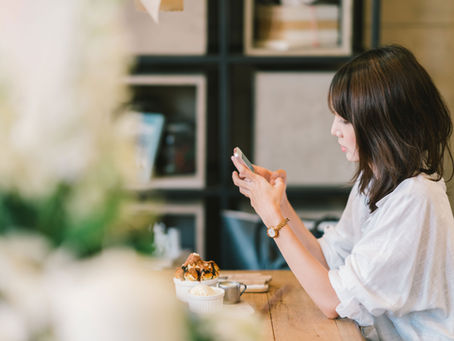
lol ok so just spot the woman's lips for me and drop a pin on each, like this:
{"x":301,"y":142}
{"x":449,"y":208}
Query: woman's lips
{"x":343,"y":148}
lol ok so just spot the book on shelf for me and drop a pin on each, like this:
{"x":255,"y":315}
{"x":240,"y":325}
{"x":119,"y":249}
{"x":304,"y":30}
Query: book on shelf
{"x":284,"y":27}
{"x":148,"y":135}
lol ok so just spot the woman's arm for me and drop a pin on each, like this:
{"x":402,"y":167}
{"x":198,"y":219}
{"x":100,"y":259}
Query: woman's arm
{"x":302,"y":233}
{"x":295,"y":223}
{"x":312,"y":275}
{"x":311,"y":272}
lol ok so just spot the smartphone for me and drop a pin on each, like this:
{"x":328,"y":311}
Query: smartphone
{"x":239,"y":154}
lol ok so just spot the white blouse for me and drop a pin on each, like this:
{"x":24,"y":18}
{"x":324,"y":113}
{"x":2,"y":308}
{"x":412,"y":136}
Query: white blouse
{"x":393,"y":269}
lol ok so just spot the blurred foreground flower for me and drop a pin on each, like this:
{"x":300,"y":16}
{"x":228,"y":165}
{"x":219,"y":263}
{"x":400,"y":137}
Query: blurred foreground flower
{"x":61,"y":78}
{"x":65,"y":160}
{"x":115,"y":296}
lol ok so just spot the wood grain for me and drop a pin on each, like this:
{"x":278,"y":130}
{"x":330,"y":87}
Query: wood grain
{"x":258,"y":301}
{"x":294,"y":316}
{"x":291,"y":314}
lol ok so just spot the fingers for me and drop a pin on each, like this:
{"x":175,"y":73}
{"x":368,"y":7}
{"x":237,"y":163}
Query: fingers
{"x":245,"y":192}
{"x":263,"y":172}
{"x":244,"y":172}
{"x":260,"y":170}
{"x":279,"y":174}
{"x":270,"y":176}
{"x":240,"y":182}
{"x":282,"y":173}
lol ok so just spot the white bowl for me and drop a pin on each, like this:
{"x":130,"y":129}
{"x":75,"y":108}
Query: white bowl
{"x":182,"y":287}
{"x":206,"y":304}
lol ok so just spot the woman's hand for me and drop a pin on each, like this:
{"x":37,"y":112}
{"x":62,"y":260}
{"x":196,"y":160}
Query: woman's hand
{"x":265,"y":192}
{"x":271,"y":176}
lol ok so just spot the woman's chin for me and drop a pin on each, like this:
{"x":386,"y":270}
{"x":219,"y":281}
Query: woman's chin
{"x":351,"y":158}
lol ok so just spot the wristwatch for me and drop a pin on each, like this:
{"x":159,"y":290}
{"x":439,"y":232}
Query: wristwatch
{"x":273,"y":231}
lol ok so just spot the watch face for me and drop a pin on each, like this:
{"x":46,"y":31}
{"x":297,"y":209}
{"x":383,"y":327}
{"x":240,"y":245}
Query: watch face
{"x":271,"y":232}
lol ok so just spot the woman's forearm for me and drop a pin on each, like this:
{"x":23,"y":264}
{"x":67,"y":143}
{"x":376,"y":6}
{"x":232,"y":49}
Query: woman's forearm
{"x":312,"y":275}
{"x":302,"y":233}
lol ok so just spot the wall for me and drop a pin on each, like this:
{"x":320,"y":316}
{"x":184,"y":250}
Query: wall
{"x":426,"y":27}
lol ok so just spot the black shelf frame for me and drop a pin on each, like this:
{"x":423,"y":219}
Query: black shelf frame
{"x":222,"y":60}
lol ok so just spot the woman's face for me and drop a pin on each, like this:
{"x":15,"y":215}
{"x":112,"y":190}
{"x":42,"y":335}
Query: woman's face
{"x":345,"y":134}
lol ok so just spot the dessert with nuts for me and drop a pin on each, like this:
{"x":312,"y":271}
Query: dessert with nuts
{"x":196,"y":269}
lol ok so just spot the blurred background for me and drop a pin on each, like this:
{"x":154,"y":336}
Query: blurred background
{"x":255,"y":74}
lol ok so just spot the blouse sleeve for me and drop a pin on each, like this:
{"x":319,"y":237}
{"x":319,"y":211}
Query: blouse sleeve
{"x":337,"y":242}
{"x":378,"y":274}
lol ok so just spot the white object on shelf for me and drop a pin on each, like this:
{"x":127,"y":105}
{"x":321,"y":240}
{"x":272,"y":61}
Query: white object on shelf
{"x":196,"y":180}
{"x":173,"y":245}
{"x":168,"y":244}
{"x":160,"y":239}
{"x":292,"y":129}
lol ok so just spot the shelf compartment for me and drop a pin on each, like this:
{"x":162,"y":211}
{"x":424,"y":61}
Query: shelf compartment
{"x":187,"y":217}
{"x":298,"y":30}
{"x":182,"y":151}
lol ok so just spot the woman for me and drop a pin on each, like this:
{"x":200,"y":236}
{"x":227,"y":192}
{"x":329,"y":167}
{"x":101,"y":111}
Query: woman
{"x":389,"y":262}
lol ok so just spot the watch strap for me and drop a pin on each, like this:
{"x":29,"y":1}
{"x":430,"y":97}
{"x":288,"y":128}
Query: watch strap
{"x":278,"y":227}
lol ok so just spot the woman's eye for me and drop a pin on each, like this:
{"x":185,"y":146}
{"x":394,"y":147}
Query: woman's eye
{"x":341,"y":120}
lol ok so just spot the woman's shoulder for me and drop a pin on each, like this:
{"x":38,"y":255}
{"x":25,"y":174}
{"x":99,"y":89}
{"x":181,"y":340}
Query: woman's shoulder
{"x":424,"y":184}
{"x":422,"y":188}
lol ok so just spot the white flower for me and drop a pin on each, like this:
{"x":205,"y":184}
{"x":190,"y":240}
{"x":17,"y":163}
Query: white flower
{"x":231,"y":325}
{"x":116,"y":297}
{"x":24,"y":307}
{"x":61,"y":77}
{"x":12,"y":324}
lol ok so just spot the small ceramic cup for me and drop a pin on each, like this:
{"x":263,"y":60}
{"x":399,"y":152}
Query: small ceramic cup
{"x":205,"y":304}
{"x":233,"y":291}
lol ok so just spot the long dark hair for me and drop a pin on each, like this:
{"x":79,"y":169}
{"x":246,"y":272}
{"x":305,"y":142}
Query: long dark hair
{"x":401,"y":122}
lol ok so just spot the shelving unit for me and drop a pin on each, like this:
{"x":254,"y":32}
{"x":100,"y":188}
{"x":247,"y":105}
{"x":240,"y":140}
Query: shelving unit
{"x":230,"y":91}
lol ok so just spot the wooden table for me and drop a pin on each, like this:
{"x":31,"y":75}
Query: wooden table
{"x":294,"y":316}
